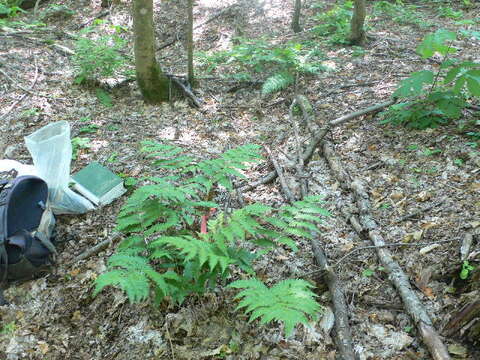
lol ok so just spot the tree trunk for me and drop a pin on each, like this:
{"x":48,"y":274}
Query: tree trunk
{"x":357,"y":35}
{"x":191,"y":78}
{"x":153,"y":83}
{"x":296,"y":16}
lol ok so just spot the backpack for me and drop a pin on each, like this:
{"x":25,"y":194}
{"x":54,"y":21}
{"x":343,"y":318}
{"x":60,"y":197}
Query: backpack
{"x":26,"y":229}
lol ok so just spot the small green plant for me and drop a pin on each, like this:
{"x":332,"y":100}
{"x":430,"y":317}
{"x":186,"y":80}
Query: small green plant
{"x":169,"y":253}
{"x":89,"y":129}
{"x":431,"y":152}
{"x":103,"y":97}
{"x":466,"y":270}
{"x":10,"y":8}
{"x":98,"y":57}
{"x":431,"y":99}
{"x":335,"y":23}
{"x":8,"y":328}
{"x":400,"y":13}
{"x":448,"y":12}
{"x":259,"y":56}
{"x":79,"y":143}
{"x":368,"y":272}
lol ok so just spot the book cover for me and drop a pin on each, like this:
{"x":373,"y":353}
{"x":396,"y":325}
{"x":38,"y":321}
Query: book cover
{"x":98,"y":184}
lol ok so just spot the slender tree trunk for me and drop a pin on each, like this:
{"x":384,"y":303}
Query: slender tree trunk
{"x":357,"y":35}
{"x":191,"y":78}
{"x":153,"y":83}
{"x":296,"y":16}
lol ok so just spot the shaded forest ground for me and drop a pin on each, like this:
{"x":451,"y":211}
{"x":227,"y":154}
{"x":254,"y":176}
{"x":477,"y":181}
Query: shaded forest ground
{"x":56,"y":317}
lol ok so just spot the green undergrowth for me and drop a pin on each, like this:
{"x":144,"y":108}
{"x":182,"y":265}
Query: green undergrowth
{"x":251,"y":58}
{"x":429,"y":98}
{"x":167,"y":255}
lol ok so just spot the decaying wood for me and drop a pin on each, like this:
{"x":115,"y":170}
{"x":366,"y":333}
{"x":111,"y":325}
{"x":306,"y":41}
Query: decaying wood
{"x":397,"y":276}
{"x":316,"y":139}
{"x":343,"y":334}
{"x":286,"y":190}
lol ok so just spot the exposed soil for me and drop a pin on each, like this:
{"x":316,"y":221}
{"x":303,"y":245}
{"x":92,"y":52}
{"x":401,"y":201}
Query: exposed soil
{"x":56,"y":317}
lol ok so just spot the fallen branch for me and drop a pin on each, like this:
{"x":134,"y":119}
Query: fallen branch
{"x":186,"y":91}
{"x":286,"y":190}
{"x":343,"y":335}
{"x":317,"y":138}
{"x":97,"y":248}
{"x":412,"y":303}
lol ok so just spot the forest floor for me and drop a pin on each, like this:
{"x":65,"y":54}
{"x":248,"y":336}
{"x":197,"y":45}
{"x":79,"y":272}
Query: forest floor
{"x":404,"y":170}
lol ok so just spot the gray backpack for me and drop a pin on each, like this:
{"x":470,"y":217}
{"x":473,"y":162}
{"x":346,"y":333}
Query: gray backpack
{"x":26,"y":229}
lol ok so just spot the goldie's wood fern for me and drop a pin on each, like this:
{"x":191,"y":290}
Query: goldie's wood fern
{"x":165,"y":254}
{"x":289,"y":301}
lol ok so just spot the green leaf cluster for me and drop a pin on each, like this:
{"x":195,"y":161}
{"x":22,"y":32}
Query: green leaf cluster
{"x":259,"y":56}
{"x":432,"y":99}
{"x":164,"y":254}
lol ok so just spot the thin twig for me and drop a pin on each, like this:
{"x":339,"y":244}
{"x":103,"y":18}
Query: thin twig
{"x":418,"y":212}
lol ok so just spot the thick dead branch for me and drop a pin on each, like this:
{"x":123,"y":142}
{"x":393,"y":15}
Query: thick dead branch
{"x":412,"y":303}
{"x":342,"y":328}
{"x":317,"y":138}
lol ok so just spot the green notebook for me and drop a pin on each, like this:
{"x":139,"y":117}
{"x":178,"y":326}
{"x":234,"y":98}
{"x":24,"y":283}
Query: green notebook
{"x":98,"y":184}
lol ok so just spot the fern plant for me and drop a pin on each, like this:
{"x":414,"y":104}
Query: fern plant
{"x":431,"y":99}
{"x":289,"y":301}
{"x":164,"y":255}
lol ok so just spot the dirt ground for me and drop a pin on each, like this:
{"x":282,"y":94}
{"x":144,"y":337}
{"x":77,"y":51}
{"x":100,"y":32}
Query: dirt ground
{"x":56,"y":317}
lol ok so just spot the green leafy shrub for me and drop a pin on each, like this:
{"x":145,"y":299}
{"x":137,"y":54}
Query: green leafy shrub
{"x":400,"y":13}
{"x":448,"y":12}
{"x":10,"y":8}
{"x":335,"y":23}
{"x":98,"y":57}
{"x":259,"y":56}
{"x":431,"y":99}
{"x":165,"y":254}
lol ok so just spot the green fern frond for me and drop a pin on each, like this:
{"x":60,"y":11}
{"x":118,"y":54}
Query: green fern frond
{"x":277,"y":82}
{"x":195,"y":250}
{"x":290,"y":301}
{"x":135,"y":284}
